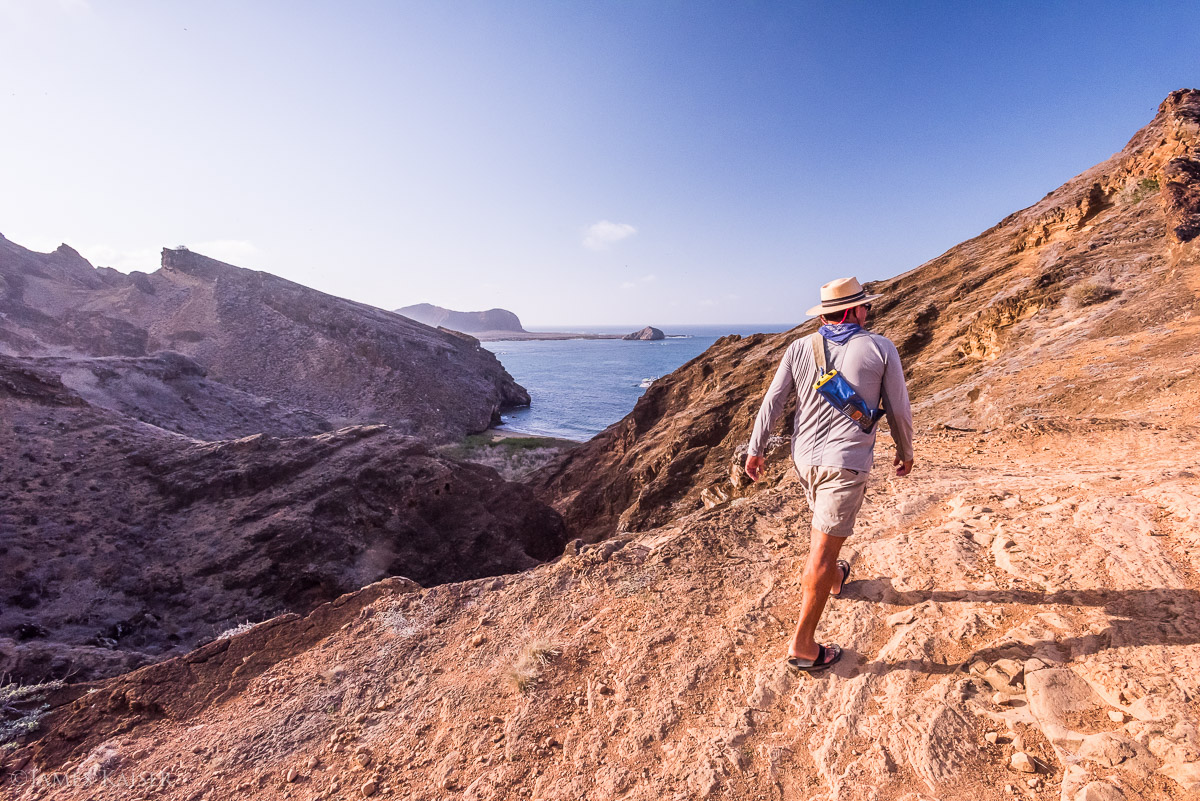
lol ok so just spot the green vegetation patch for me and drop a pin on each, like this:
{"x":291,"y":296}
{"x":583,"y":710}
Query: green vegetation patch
{"x":1143,"y":189}
{"x":527,"y":443}
{"x":512,"y":457}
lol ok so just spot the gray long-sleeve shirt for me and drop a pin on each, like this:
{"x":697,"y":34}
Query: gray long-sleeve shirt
{"x":871,"y":364}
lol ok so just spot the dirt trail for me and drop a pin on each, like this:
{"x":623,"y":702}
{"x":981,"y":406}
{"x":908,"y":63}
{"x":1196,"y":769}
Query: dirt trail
{"x":1034,"y":599}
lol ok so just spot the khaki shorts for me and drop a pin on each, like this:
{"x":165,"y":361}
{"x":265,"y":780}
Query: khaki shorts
{"x":835,"y":495}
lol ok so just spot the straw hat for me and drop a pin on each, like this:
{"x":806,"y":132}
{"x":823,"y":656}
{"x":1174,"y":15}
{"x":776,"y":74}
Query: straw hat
{"x":841,"y":293}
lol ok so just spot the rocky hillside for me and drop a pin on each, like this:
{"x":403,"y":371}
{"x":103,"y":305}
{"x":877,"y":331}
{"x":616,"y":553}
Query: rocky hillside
{"x":123,"y":543}
{"x":172,"y":392}
{"x":1022,"y":620}
{"x":490,"y":321}
{"x":340,"y":361}
{"x":178,"y":461}
{"x":1017,"y":327}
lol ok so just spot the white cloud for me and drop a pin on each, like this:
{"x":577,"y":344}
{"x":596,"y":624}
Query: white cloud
{"x":645,"y":279}
{"x":600,"y":235}
{"x":29,"y":12}
{"x":233,"y":251}
{"x":145,"y":259}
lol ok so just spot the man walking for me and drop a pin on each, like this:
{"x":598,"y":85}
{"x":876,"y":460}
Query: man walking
{"x":832,"y":452}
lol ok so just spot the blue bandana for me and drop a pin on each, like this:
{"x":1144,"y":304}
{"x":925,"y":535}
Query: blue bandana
{"x":840,"y":332}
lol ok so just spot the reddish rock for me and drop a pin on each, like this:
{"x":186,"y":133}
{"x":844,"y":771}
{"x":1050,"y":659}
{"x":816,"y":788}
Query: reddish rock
{"x":965,"y":323}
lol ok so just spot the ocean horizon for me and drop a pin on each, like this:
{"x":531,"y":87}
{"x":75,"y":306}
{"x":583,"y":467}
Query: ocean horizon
{"x":579,"y":387}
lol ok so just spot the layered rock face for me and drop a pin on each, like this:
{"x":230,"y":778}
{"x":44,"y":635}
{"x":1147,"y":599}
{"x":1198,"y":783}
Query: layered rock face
{"x":480,"y":322}
{"x":254,"y":332}
{"x":1016,"y":327}
{"x":124,"y":543}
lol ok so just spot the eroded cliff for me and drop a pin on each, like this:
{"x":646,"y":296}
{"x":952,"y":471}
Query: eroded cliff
{"x":257,"y":333}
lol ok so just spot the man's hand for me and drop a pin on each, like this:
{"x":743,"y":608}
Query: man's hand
{"x":754,"y":467}
{"x":903,"y":468}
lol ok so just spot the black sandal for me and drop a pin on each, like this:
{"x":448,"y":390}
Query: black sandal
{"x":826,"y":656}
{"x":843,"y":566}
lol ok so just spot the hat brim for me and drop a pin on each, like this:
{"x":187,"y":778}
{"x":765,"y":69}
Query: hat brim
{"x":821,"y":309}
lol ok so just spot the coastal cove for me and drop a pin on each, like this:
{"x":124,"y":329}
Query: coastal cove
{"x":580,"y":387}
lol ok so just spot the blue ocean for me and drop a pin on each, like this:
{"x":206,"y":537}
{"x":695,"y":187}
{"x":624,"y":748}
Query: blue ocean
{"x":580,"y":387}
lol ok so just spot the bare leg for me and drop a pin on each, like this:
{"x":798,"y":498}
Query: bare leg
{"x":820,"y":575}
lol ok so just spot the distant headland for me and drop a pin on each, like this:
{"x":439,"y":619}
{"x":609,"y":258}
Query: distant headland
{"x":477,"y":322}
{"x":495,"y":325}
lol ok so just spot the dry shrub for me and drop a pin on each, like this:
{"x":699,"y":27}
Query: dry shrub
{"x":240,"y":628}
{"x":1092,"y":292}
{"x":515,"y":465}
{"x":21,"y":707}
{"x":527,"y":669}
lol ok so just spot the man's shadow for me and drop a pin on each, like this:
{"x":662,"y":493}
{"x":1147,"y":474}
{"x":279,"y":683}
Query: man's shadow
{"x":1151,"y":616}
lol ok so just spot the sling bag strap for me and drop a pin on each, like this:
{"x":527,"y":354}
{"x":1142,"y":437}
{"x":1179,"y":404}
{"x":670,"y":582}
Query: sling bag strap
{"x":818,"y":349}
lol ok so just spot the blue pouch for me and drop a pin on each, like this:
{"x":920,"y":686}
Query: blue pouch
{"x":837,"y":392}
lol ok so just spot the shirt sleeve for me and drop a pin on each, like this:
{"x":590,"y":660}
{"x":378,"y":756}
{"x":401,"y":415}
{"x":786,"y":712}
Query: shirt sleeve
{"x":899,"y":412}
{"x":774,"y":402}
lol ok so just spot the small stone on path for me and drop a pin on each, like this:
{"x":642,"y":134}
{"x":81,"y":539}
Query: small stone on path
{"x":1099,"y":791}
{"x":1021,"y":761}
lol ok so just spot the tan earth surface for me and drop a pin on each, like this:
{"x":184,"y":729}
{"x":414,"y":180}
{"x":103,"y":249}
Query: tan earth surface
{"x":1022,"y":619}
{"x":1024,"y":598}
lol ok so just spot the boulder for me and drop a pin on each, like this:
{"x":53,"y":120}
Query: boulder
{"x":1099,"y":791}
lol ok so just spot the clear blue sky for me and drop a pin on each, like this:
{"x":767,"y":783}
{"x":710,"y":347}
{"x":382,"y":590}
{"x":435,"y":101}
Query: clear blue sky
{"x":576,"y":162}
